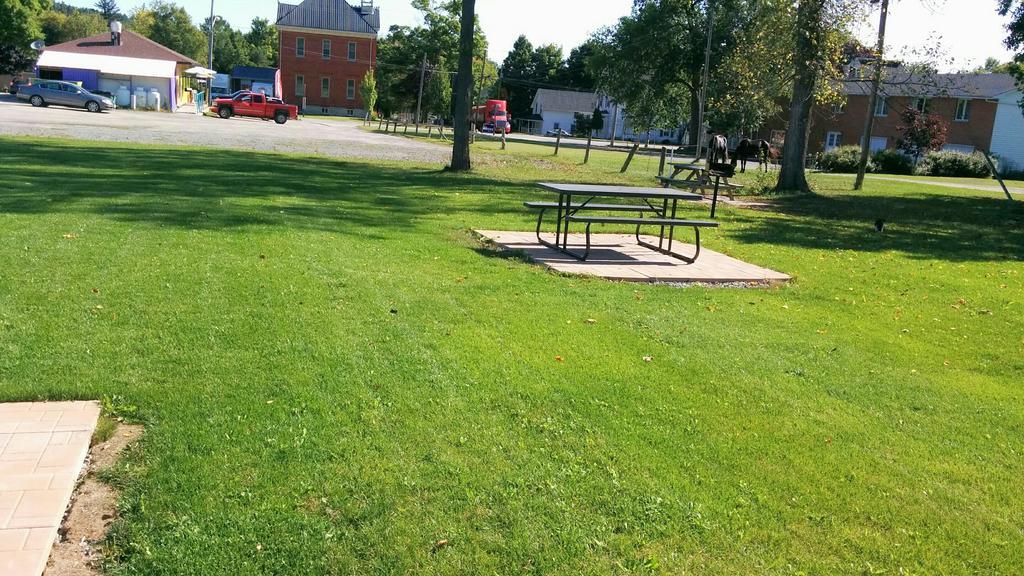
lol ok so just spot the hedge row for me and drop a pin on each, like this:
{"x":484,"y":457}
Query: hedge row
{"x":844,"y":160}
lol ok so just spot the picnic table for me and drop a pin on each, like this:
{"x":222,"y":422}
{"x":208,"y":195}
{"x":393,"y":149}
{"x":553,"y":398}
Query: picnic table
{"x":702,"y":178}
{"x":661,"y":202}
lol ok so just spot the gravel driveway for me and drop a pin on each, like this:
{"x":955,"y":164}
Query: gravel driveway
{"x":312,"y":135}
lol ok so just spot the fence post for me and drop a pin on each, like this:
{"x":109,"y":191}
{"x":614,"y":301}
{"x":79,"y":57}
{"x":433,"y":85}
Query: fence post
{"x":558,"y":142}
{"x":661,"y":165}
{"x":590,"y":138}
{"x":629,"y":159}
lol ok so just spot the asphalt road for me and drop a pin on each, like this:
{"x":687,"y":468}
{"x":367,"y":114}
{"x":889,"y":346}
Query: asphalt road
{"x":311,"y":135}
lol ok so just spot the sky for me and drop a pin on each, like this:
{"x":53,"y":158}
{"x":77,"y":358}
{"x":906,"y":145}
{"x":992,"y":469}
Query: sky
{"x":970,"y":29}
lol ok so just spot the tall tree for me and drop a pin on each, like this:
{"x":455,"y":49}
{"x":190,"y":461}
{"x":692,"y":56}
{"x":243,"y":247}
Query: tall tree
{"x":876,"y":84}
{"x":108,"y":9}
{"x":230,"y":47}
{"x":464,"y":88}
{"x":576,"y":72}
{"x":173,"y":28}
{"x":59,"y":27}
{"x":517,"y":69}
{"x":19,"y":27}
{"x":368,"y":92}
{"x":262,"y":37}
{"x":1015,"y":36}
{"x":437,"y":97}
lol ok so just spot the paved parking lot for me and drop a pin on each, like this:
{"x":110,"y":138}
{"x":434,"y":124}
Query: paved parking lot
{"x":312,"y":135}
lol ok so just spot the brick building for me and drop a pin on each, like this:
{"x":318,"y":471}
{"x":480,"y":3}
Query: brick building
{"x":967,"y":102}
{"x":326,"y":47}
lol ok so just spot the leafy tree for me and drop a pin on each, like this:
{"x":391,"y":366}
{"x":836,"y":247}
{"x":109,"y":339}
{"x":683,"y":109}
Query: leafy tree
{"x":141,"y":21}
{"x":401,"y":52}
{"x":108,"y":10}
{"x":921,"y":133}
{"x":818,"y":48}
{"x":172,"y":27}
{"x":597,"y":120}
{"x":262,"y":38}
{"x":19,"y":27}
{"x":59,"y":27}
{"x":518,"y":67}
{"x":576,"y":72}
{"x":368,"y":92}
{"x":437,"y":97}
{"x":547,"y":63}
{"x":230,"y":47}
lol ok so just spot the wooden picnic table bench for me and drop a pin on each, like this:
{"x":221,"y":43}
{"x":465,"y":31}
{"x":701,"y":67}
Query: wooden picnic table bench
{"x":664,"y":214}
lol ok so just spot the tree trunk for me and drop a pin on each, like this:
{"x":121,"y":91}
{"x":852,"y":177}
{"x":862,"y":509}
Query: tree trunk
{"x":464,"y":88}
{"x":809,"y":36}
{"x":694,"y":117}
{"x":876,"y":82}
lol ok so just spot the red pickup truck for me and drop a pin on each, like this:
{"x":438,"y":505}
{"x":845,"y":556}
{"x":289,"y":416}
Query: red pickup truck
{"x":255,"y":106}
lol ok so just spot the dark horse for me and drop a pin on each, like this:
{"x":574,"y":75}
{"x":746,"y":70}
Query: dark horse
{"x":718,"y":150}
{"x":759,"y":149}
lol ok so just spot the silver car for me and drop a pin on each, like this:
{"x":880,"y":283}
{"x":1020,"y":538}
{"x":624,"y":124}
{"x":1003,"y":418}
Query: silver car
{"x":46,"y":92}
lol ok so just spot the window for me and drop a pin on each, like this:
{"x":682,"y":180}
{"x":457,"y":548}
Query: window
{"x":325,"y":87}
{"x":326,"y":49}
{"x":352,"y":51}
{"x":963,"y":110}
{"x":839,"y":108}
{"x":300,"y":85}
{"x":921,"y":105}
{"x":833,"y":140}
{"x":878,"y":143}
{"x":350,"y":91}
{"x":881,"y":107}
{"x":300,"y":47}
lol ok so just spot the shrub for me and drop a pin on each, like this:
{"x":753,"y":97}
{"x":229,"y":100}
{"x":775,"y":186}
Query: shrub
{"x":892,"y":162}
{"x":954,"y":164}
{"x":841,"y":160}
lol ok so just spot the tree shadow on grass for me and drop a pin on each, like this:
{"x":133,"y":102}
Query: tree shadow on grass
{"x":929,"y":225}
{"x":223,"y":189}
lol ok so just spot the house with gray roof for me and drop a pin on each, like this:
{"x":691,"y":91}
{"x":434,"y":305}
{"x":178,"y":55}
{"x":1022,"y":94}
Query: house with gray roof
{"x":555,"y":110}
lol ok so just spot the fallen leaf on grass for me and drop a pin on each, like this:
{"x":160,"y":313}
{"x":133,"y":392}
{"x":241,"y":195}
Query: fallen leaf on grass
{"x":648,"y":358}
{"x":440,"y":544}
{"x":559,"y":359}
{"x":591,"y":321}
{"x":70,"y":236}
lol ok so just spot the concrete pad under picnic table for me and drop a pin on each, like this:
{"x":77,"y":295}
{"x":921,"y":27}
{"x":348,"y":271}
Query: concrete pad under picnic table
{"x":619,"y":257}
{"x":43,"y":446}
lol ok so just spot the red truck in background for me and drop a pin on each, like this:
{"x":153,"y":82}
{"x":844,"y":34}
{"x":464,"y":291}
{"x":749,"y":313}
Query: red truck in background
{"x":492,"y":115}
{"x":254,"y":105}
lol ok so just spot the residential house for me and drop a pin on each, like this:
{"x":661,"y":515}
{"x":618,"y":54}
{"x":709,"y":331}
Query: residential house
{"x":967,"y":102}
{"x":326,"y":47}
{"x":107,"y":62}
{"x":560,"y":110}
{"x":1008,"y":134}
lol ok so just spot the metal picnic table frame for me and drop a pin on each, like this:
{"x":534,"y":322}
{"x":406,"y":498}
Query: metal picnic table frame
{"x":669,"y":203}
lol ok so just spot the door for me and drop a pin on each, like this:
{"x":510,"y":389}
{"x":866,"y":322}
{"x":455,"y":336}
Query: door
{"x":73,"y":95}
{"x":243,"y":105}
{"x":51,"y":93}
{"x":258,"y":106}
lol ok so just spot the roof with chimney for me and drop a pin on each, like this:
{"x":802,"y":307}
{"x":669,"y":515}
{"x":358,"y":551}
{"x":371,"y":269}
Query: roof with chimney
{"x":968,"y":86}
{"x":565,"y":101}
{"x":132,"y":46}
{"x":334,"y":15}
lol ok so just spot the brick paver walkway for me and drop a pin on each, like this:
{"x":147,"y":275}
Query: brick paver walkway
{"x":42,"y":448}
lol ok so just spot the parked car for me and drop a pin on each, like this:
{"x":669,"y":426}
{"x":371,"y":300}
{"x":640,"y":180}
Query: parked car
{"x":556,"y":132}
{"x":254,"y":106}
{"x":46,"y":92}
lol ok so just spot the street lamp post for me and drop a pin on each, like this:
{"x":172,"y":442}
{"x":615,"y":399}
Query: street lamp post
{"x":209,"y":60}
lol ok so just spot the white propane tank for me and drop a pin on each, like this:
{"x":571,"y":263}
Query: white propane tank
{"x":124,"y":97}
{"x":140,"y":98}
{"x":153,"y":99}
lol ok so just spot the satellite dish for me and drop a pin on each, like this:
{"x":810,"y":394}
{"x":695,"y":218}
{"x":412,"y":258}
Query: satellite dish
{"x":38,"y":45}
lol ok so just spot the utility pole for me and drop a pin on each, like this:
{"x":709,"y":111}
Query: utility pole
{"x":704,"y":86}
{"x":876,"y":82}
{"x":209,"y":60}
{"x":419,"y":102}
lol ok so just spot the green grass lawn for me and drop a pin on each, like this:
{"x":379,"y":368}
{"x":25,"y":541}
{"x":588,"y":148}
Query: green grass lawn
{"x":335,"y":376}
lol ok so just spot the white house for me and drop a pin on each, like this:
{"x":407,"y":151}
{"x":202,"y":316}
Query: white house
{"x":558,"y":110}
{"x":1008,"y":132}
{"x":111,"y":61}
